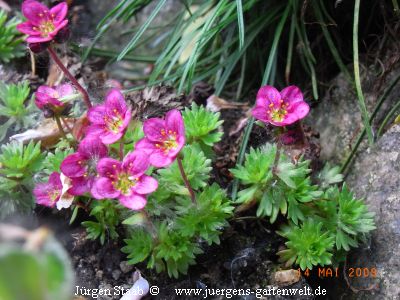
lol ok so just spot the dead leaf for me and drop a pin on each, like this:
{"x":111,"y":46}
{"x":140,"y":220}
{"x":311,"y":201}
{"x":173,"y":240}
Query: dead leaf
{"x":47,"y":133}
{"x":245,"y":206}
{"x":55,"y":74}
{"x":286,"y":277}
{"x":79,"y":128}
{"x":215,"y":104}
{"x":239,"y":126}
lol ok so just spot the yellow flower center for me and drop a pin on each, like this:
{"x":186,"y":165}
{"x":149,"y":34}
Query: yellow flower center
{"x":124,"y":183}
{"x":114,"y":123}
{"x":46,"y":27}
{"x":169,"y":142}
{"x":277,"y":112}
{"x":53,"y":195}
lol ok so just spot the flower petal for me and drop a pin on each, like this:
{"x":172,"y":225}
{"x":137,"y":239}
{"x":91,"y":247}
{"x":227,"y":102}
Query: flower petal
{"x":260,"y":113}
{"x":38,"y":39}
{"x":49,"y":91}
{"x":34,"y":11}
{"x":64,"y":90}
{"x":268,"y":94}
{"x":136,"y":163}
{"x":173,"y":152}
{"x":58,"y":27}
{"x":65,"y":201}
{"x":92,"y":147}
{"x":103,"y":188}
{"x":115,"y":102}
{"x":300,"y":109}
{"x":79,"y":186}
{"x":96,"y":114}
{"x":42,"y":100}
{"x":127,"y":119}
{"x":174,"y":122}
{"x":59,"y":12}
{"x":27,"y":28}
{"x":74,"y":165}
{"x":146,"y":145}
{"x":111,"y":137}
{"x":134,"y":201}
{"x":145,"y":185}
{"x":94,"y":131}
{"x":152,"y":129}
{"x":55,"y":181}
{"x":107,"y":167}
{"x":292,"y":94}
{"x":160,"y":160}
{"x":40,"y":192}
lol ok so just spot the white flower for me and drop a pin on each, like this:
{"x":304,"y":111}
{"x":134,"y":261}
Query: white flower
{"x":66,"y":199}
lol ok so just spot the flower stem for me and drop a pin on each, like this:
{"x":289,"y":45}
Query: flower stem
{"x":75,"y":82}
{"x":185,"y":179}
{"x":121,"y":149}
{"x":60,"y":127}
{"x":279,"y":132}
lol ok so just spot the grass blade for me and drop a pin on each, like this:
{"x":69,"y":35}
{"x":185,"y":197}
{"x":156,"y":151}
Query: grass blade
{"x":190,"y":64}
{"x":330,"y":42}
{"x":388,"y":117}
{"x":360,"y":96}
{"x":290,"y":50}
{"x":380,"y":101}
{"x":142,"y":29}
{"x":274,"y":46}
{"x":240,"y":22}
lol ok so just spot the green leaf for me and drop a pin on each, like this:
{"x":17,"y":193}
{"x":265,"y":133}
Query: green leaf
{"x":346,"y":217}
{"x":136,"y":219}
{"x":201,"y":125}
{"x":138,"y":246}
{"x":11,"y":41}
{"x":197,"y":168}
{"x":308,"y":245}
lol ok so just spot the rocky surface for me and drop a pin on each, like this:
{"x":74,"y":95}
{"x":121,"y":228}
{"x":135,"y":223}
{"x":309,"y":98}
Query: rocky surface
{"x":338,"y":119}
{"x":376,"y":177}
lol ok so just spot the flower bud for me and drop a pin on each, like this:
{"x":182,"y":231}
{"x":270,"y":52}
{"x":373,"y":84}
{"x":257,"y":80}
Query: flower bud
{"x":47,"y":111}
{"x":37,"y":47}
{"x":62,"y":35}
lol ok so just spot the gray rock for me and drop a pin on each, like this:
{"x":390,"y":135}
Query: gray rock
{"x":125,"y":267}
{"x":107,"y":292}
{"x":338,"y":119}
{"x":376,"y":177}
{"x":116,"y":274}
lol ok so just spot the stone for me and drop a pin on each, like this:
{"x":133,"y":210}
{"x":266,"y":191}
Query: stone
{"x":116,"y":274}
{"x":375,"y":177}
{"x":337,"y":117}
{"x":125,"y":267}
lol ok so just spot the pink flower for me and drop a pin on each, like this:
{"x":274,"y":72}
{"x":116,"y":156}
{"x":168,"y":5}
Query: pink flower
{"x":110,"y":120}
{"x":125,"y":181}
{"x":280,"y":109}
{"x":163,"y":138}
{"x":49,"y":193}
{"x":81,"y":166}
{"x":43,"y":23}
{"x":46,"y":96}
